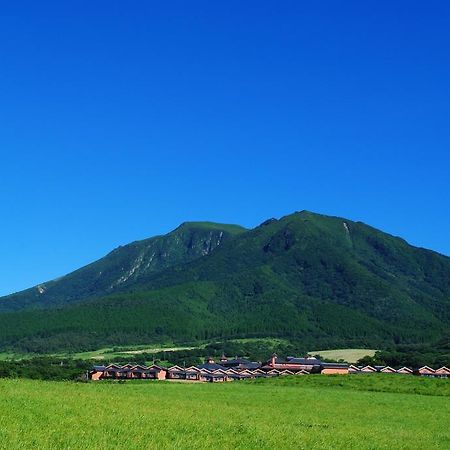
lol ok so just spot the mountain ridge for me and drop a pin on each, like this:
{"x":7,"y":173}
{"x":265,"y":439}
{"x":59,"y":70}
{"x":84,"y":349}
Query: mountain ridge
{"x":326,"y":280}
{"x":123,"y":262}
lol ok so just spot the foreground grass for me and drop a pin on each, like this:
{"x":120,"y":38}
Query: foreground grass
{"x":307,"y":412}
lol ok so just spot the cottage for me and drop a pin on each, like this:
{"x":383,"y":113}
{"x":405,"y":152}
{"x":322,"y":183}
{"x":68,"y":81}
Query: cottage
{"x":209,"y":376}
{"x":426,"y":371}
{"x":204,"y":374}
{"x":124,"y":372}
{"x":155,"y":372}
{"x":137,"y":371}
{"x":176,"y":373}
{"x":405,"y":371}
{"x":97,"y":373}
{"x":443,"y":372}
{"x":192,"y":373}
{"x":112,"y":371}
{"x":353,"y":369}
{"x":218,"y":378}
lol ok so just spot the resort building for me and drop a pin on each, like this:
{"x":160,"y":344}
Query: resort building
{"x":308,"y":364}
{"x":241,"y":369}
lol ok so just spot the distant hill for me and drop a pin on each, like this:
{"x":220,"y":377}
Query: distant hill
{"x":326,"y":281}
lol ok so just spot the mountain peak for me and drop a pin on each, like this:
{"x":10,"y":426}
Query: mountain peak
{"x":230,"y":228}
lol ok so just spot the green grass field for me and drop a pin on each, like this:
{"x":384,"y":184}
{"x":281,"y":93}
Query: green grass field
{"x":108,"y":353}
{"x":101,"y":354}
{"x":323,"y":412}
{"x":350,"y":355}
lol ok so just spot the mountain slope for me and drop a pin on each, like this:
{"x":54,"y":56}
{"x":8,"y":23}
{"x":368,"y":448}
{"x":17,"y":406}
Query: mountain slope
{"x":125,"y":265}
{"x":325,"y":280}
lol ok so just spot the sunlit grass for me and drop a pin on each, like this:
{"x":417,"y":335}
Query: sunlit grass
{"x":350,"y":355}
{"x":307,"y":412}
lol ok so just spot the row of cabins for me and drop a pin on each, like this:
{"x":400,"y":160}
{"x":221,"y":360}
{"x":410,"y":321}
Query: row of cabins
{"x":240,"y":368}
{"x":178,"y":373}
{"x":426,"y":371}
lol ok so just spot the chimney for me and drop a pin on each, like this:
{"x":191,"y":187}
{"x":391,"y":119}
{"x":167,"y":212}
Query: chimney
{"x":273,"y":360}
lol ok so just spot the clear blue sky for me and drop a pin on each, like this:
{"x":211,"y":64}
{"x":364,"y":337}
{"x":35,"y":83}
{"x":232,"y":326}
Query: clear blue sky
{"x":119,"y":120}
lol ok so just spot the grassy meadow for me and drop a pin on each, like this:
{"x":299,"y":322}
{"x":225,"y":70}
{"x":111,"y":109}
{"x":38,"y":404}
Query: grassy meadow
{"x":350,"y":355}
{"x":101,"y":354}
{"x":332,"y":412}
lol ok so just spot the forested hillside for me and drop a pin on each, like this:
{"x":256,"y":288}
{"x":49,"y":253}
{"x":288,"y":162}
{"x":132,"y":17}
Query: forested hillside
{"x":325,"y":281}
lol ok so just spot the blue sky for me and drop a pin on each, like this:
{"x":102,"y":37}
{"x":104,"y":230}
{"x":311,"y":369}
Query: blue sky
{"x":120,"y":120}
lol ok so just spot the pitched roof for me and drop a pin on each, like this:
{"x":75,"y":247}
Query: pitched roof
{"x":156,"y":367}
{"x":335,"y":365}
{"x":113,"y":369}
{"x":138,"y":366}
{"x":235,"y":361}
{"x":211,"y":366}
{"x":388,"y":369}
{"x":175,"y":369}
{"x":368,"y":369}
{"x":298,"y":361}
{"x":426,"y":369}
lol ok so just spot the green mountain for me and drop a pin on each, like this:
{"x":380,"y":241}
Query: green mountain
{"x":325,"y":281}
{"x":125,"y":266}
